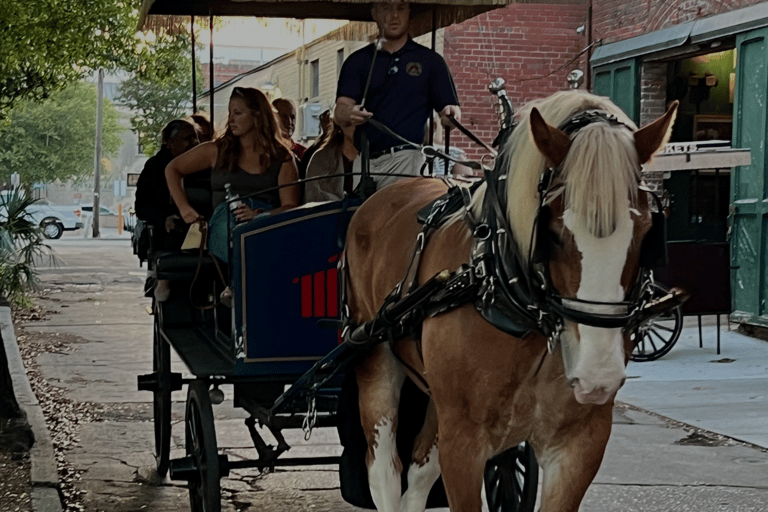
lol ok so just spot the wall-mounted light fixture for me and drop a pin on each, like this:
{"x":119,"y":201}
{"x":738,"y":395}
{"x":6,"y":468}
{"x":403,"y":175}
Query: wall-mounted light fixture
{"x":575,"y":78}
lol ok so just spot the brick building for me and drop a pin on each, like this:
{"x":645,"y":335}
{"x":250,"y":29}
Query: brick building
{"x":532,"y":46}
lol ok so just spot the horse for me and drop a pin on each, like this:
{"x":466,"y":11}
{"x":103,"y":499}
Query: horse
{"x":491,"y":390}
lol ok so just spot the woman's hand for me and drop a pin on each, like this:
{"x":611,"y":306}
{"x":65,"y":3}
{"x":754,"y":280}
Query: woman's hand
{"x":243,"y":213}
{"x":190,"y":215}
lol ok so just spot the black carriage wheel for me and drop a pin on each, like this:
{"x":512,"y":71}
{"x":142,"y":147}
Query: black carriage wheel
{"x":659,"y":335}
{"x":204,"y":486}
{"x":512,"y":480}
{"x":161,"y":366}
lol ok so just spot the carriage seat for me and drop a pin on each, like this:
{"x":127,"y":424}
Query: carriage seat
{"x":178,"y":265}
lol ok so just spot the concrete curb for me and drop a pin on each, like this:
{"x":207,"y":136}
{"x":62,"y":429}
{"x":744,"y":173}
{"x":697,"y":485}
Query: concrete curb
{"x":44,"y":473}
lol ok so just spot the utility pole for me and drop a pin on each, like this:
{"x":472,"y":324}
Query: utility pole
{"x":97,"y":157}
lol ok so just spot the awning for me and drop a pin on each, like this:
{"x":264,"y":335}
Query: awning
{"x":730,"y":23}
{"x":446,"y":12}
{"x":670,"y":37}
{"x":697,"y":31}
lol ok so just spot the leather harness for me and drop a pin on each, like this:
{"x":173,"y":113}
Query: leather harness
{"x":513,"y":296}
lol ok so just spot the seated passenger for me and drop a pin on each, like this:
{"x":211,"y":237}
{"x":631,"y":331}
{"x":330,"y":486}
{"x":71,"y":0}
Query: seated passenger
{"x":203,"y":126}
{"x":334,"y":157}
{"x":286,"y":118}
{"x":251,"y":158}
{"x":153,"y":200}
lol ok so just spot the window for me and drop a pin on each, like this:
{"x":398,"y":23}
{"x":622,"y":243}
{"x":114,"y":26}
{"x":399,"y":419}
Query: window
{"x":314,"y":78}
{"x":339,"y":61}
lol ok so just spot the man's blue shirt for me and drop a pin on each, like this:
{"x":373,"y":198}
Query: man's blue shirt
{"x":406,"y":86}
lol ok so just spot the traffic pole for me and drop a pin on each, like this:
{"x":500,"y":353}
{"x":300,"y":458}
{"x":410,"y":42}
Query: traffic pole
{"x":97,"y":156}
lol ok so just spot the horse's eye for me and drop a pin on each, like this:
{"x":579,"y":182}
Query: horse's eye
{"x":554,"y":239}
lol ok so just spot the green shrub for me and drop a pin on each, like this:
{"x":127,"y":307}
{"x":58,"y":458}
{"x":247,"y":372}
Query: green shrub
{"x":22,"y":246}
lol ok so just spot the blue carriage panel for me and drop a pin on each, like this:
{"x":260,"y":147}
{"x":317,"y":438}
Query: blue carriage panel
{"x":285,"y":280}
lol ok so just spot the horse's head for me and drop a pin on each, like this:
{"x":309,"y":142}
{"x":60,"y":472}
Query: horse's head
{"x":592,"y":221}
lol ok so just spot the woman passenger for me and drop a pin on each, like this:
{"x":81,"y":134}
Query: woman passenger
{"x":153,"y":201}
{"x":251,"y":157}
{"x":334,"y":157}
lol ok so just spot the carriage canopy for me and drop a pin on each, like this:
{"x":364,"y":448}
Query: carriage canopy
{"x":443,"y":12}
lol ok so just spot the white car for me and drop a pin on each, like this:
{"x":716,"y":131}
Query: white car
{"x":53,"y":220}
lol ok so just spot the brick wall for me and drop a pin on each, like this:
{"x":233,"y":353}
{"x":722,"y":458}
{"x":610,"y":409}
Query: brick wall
{"x":529,"y":45}
{"x":616,"y":20}
{"x":653,"y":91}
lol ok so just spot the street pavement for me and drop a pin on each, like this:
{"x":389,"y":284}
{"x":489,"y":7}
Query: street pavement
{"x":656,"y":460}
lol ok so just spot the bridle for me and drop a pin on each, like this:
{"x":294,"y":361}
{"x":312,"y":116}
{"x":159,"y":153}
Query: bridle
{"x":528,"y":288}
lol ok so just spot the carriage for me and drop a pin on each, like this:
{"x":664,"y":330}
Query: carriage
{"x":279,"y":346}
{"x":292,"y":341}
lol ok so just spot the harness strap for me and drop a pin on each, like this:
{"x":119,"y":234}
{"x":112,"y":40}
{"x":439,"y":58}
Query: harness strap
{"x":471,"y":135}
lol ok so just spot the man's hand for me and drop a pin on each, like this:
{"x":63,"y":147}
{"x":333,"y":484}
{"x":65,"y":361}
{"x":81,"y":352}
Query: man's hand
{"x":450,"y":110}
{"x":347,"y":113}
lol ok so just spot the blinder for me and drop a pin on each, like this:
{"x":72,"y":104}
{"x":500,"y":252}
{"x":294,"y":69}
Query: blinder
{"x":653,"y":252}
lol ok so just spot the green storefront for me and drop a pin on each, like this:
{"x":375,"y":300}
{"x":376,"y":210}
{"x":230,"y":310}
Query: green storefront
{"x":731,"y":103}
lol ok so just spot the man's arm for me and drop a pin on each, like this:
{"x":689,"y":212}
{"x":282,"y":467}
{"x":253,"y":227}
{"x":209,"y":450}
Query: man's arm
{"x":443,"y":91}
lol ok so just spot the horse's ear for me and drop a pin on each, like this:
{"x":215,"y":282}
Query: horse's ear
{"x":553,"y":143}
{"x":650,"y":138}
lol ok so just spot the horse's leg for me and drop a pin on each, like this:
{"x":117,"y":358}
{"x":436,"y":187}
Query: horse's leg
{"x":571,"y":465}
{"x":425,"y":466}
{"x":462,"y":462}
{"x":379,"y":379}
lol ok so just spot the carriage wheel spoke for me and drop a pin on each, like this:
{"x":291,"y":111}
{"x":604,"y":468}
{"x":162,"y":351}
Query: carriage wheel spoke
{"x":664,"y":327}
{"x":661,"y":338}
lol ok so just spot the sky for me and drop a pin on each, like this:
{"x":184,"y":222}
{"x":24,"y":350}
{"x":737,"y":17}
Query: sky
{"x":250,"y":39}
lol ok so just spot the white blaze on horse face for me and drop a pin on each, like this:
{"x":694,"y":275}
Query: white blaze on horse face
{"x":383,"y":477}
{"x":595,"y":363}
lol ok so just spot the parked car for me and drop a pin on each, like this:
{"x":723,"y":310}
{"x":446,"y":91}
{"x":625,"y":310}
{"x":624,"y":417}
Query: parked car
{"x":103,"y":210}
{"x":53,"y":220}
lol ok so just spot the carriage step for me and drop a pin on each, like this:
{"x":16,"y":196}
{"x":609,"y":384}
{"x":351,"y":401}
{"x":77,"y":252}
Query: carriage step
{"x":185,"y":468}
{"x":151,"y":382}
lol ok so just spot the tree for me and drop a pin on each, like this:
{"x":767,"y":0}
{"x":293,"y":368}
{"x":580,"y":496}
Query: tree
{"x":160,"y":90}
{"x":48,"y":44}
{"x":54,"y":139}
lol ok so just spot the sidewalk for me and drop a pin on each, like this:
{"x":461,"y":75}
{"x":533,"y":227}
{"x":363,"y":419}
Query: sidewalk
{"x":104,"y":234}
{"x":726,"y":393}
{"x":44,"y":472}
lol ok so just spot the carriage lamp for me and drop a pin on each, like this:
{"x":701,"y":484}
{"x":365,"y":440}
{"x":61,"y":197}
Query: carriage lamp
{"x":575,"y":78}
{"x":216,"y":395}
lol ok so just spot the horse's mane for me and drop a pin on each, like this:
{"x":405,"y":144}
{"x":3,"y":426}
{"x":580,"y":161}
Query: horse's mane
{"x":600,"y":168}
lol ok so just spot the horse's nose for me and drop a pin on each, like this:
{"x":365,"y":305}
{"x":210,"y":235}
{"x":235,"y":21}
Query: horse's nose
{"x":596,"y":395}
